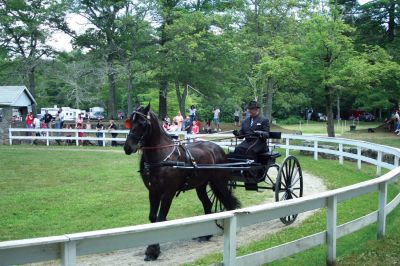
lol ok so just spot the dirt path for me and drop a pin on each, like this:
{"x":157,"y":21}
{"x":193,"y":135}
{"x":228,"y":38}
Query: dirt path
{"x":187,"y":251}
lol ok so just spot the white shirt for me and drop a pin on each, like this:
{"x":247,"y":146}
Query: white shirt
{"x":192,"y":111}
{"x":61,"y":116}
{"x":236,"y":113}
{"x":216,"y":113}
{"x":36,"y":122}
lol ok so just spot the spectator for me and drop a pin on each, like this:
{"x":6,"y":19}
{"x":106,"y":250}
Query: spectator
{"x":79,"y":120}
{"x":36,"y":125}
{"x":192,"y":113}
{"x":174,"y":127}
{"x":208,"y":126}
{"x":236,"y":116}
{"x":167,"y":119}
{"x":195,"y":128}
{"x":29,"y":120}
{"x":166,"y":125}
{"x":99,"y":126}
{"x":216,"y":114}
{"x":61,"y":114}
{"x":397,"y":122}
{"x":179,"y":120}
{"x":57,"y":125}
{"x":187,"y":125}
{"x":47,"y":119}
{"x":113,"y":127}
{"x":79,"y":127}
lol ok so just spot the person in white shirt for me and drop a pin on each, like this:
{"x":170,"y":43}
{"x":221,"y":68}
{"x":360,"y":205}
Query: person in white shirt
{"x":36,"y":125}
{"x":236,"y":116}
{"x":216,"y":113}
{"x":192,"y":113}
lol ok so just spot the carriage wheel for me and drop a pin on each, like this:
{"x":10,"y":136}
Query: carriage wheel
{"x":217,"y":205}
{"x":289,"y":184}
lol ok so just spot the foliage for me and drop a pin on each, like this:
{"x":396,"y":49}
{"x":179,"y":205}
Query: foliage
{"x":287,"y":54}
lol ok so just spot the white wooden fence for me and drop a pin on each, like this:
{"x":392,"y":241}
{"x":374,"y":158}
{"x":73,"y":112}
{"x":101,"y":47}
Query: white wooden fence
{"x":68,"y":247}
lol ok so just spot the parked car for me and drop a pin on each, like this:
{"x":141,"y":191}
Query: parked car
{"x":368,"y":117}
{"x":97,"y":115}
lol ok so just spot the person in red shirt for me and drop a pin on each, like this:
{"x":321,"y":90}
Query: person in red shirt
{"x":29,"y":120}
{"x":195,"y":128}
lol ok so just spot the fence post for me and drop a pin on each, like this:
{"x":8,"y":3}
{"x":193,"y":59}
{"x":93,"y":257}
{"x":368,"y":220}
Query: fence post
{"x":287,"y":147}
{"x":230,"y":241}
{"x":378,"y":166}
{"x":77,"y":138}
{"x":68,"y":253}
{"x":315,"y":150}
{"x":47,"y":138}
{"x":10,"y":135}
{"x":331,"y":230}
{"x":104,"y":141}
{"x":381,"y":210}
{"x":341,"y":153}
{"x":359,"y":158}
{"x":396,"y":161}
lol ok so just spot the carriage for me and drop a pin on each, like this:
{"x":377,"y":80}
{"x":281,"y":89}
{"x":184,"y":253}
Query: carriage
{"x":169,"y":167}
{"x":254,"y":174}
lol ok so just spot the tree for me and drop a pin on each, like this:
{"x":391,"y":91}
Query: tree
{"x":137,"y":47}
{"x":105,"y":17}
{"x":25,"y":28}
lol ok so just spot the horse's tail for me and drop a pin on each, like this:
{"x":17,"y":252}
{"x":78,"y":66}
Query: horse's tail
{"x":227,"y":198}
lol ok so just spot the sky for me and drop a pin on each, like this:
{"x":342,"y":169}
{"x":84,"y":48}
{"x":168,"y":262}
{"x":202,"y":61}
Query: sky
{"x":62,"y":42}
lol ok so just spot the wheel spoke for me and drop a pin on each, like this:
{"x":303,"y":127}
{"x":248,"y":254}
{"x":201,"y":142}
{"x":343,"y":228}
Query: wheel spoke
{"x":291,"y":193}
{"x":297,"y":179}
{"x":284,"y":196}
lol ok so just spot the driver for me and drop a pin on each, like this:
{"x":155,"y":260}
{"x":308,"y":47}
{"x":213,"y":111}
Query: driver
{"x":255,"y":131}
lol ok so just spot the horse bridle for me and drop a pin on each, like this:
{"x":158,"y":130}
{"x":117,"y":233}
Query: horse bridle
{"x":146,"y":131}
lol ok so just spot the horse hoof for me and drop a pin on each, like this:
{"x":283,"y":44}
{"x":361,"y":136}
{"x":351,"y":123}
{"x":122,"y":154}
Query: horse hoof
{"x":204,"y":238}
{"x":150,"y":258}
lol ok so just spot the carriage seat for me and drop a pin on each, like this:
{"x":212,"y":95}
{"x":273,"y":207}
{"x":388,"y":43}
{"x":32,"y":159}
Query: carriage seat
{"x":268,"y":157}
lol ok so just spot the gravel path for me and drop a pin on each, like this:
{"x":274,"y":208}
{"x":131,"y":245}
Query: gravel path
{"x":187,"y":251}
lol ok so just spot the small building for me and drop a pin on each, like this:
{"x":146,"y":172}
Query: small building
{"x":13,"y":100}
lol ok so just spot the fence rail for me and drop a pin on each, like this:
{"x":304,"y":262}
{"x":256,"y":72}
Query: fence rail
{"x":68,"y":247}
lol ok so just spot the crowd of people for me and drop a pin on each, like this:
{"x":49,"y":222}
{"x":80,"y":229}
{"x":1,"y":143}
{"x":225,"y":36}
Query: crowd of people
{"x":47,"y":120}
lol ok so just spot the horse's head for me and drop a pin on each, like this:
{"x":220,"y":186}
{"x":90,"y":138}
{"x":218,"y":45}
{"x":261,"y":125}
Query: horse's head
{"x":139,"y":126}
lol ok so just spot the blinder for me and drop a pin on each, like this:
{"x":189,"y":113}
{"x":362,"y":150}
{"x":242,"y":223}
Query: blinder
{"x":128,"y":123}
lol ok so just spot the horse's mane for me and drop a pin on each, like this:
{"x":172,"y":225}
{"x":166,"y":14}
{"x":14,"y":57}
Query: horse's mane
{"x":154,"y":117}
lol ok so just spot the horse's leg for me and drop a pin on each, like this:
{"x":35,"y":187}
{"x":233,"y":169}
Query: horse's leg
{"x":207,"y":206}
{"x":153,"y":251}
{"x":203,"y":197}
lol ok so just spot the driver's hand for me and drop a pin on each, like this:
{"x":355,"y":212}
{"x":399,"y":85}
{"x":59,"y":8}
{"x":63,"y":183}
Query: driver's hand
{"x":236,"y":133}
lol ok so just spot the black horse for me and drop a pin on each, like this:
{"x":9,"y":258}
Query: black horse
{"x":162,"y":180}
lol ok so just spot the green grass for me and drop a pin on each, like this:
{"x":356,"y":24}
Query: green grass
{"x":349,"y":247}
{"x":50,"y":191}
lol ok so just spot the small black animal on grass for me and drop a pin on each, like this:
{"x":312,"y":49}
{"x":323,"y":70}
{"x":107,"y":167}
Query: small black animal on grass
{"x":371,"y":130}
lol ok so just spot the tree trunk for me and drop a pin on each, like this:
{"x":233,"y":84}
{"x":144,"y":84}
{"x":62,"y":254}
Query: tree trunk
{"x":130,"y":89}
{"x":181,"y":97}
{"x":162,"y":106}
{"x":270,"y":94}
{"x":338,"y":108}
{"x":329,"y":111}
{"x":30,"y":79}
{"x":111,"y":90}
{"x":392,"y":22}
